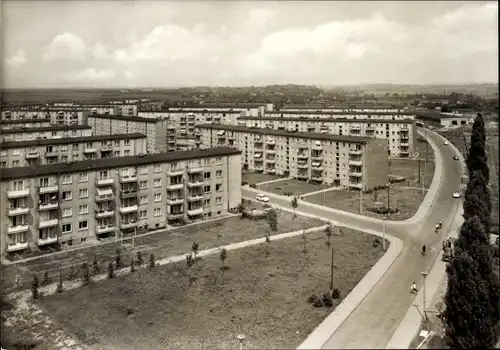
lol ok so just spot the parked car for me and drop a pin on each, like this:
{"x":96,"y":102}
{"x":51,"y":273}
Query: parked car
{"x":446,"y":143}
{"x":456,"y":194}
{"x":455,"y":157}
{"x":262,"y":198}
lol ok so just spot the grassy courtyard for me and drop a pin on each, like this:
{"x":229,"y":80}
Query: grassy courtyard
{"x":292,"y":187}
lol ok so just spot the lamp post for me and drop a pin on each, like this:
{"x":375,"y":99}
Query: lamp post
{"x":383,"y":233}
{"x":331,"y":274}
{"x":424,"y":274}
{"x":241,"y":337}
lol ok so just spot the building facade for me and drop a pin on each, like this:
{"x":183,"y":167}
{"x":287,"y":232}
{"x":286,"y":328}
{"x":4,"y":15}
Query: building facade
{"x":401,"y":134}
{"x":69,"y":204}
{"x":160,"y":133}
{"x":50,"y":151}
{"x":57,"y":116}
{"x":341,"y":161}
{"x":54,"y":132}
{"x":24,"y":123}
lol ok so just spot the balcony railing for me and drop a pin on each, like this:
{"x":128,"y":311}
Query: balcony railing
{"x":13,"y":211}
{"x":48,"y":206}
{"x":302,"y":156}
{"x":128,"y":194}
{"x":18,"y":193}
{"x":105,"y":182}
{"x":174,"y":201}
{"x":175,"y":216}
{"x":105,"y":229}
{"x":194,"y":212}
{"x":177,"y":186}
{"x":355,"y":151}
{"x":49,"y":239}
{"x":32,"y":155}
{"x":175,"y":172}
{"x":18,"y":228}
{"x":48,"y":223}
{"x":128,"y":208}
{"x":125,"y":225}
{"x":48,"y":189}
{"x":128,"y":178}
{"x":358,"y":185}
{"x":355,"y":162}
{"x":195,"y":169}
{"x":14,"y":247}
{"x":90,"y":150}
{"x":194,"y":197}
{"x":104,"y":213}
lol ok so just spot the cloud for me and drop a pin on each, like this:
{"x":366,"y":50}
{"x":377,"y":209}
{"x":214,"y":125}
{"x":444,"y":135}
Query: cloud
{"x":17,"y":60}
{"x":66,"y":46}
{"x":259,"y":17}
{"x":91,"y":74}
{"x":100,"y":51}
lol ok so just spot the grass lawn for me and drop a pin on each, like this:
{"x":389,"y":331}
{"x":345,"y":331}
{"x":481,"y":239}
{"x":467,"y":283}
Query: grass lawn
{"x":263,"y":297}
{"x":407,"y":200}
{"x":293,"y":186}
{"x":254,"y":178}
{"x":162,"y":244}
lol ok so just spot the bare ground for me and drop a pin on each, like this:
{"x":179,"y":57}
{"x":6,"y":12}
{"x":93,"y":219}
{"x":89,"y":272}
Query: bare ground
{"x":262,"y":297}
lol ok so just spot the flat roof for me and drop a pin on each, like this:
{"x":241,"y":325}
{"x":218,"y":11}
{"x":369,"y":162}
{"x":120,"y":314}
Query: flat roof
{"x":70,"y":140}
{"x":46,"y":128}
{"x":177,"y":110}
{"x":124,"y":118}
{"x":25,"y":121}
{"x":110,"y":163}
{"x":341,"y":113}
{"x":297,"y":134}
{"x":343,"y":120}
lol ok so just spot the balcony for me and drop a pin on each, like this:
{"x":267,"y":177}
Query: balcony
{"x":18,"y":211}
{"x":18,"y":228}
{"x":302,"y":156}
{"x":173,"y":187}
{"x":270,"y":161}
{"x":128,"y":194}
{"x":47,"y":240}
{"x":317,"y":177}
{"x":357,"y":185}
{"x":128,"y":209}
{"x":48,"y":223}
{"x":370,"y":129}
{"x":18,"y":193}
{"x":105,"y":182}
{"x":99,"y":214}
{"x":302,"y":165}
{"x":355,"y":162}
{"x":195,"y":169}
{"x":270,"y":170}
{"x":48,"y":206}
{"x":125,"y":225}
{"x":128,"y":178}
{"x":404,"y":143}
{"x":175,"y":172}
{"x":89,"y":150}
{"x":14,"y":247}
{"x":302,"y":176}
{"x":194,"y":197}
{"x":105,"y":229}
{"x":194,"y":212}
{"x":355,"y":173}
{"x":174,"y":201}
{"x":106,"y":148}
{"x":175,"y":216}
{"x":270,"y":142}
{"x":404,"y":151}
{"x":104,"y":195}
{"x":270,"y":151}
{"x":50,"y":154}
{"x":355,"y":128}
{"x":259,"y":167}
{"x":317,"y":146}
{"x":48,"y":189}
{"x":317,"y":157}
{"x":355,"y":151}
{"x":32,"y":155}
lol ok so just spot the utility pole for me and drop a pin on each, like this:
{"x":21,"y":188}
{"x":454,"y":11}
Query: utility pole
{"x":388,"y":196}
{"x":361,"y":202}
{"x":331,"y":273}
{"x":419,"y":174}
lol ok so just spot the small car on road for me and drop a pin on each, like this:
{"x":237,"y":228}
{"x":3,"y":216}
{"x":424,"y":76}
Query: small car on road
{"x":262,"y":198}
{"x":455,"y":157}
{"x":456,"y":194}
{"x":446,"y":143}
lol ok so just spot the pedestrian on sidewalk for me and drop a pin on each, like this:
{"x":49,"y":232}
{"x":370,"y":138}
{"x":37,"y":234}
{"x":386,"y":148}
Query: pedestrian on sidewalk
{"x":413,"y":288}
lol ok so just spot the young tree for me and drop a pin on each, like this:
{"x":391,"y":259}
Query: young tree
{"x":34,"y":287}
{"x":118,"y":258}
{"x":195,"y":248}
{"x":46,"y":278}
{"x":86,"y":274}
{"x":304,"y":241}
{"x":140,"y":259}
{"x":71,"y":272}
{"x":111,"y":270}
{"x":60,"y":283}
{"x":132,"y":263}
{"x":240,"y":207}
{"x":295,"y":204}
{"x":152,"y":262}
{"x":189,"y":263}
{"x":95,"y":265}
{"x":328,"y":232}
{"x":219,"y":225}
{"x":272,"y":220}
{"x":223,"y":257}
{"x":268,"y":243}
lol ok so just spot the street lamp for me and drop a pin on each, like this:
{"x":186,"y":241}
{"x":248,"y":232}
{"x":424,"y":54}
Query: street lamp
{"x":241,"y":337}
{"x":424,"y":274}
{"x":383,"y":233}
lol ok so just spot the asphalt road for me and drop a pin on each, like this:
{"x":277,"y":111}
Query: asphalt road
{"x":375,"y":319}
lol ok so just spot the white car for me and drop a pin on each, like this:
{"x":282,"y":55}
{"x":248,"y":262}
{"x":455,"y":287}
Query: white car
{"x":262,"y":198}
{"x":446,"y":143}
{"x":456,"y":194}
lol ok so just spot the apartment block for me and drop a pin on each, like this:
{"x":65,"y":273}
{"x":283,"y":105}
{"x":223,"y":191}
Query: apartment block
{"x":73,"y":149}
{"x":338,"y":160}
{"x":400,"y":133}
{"x":69,"y":204}
{"x":57,"y":116}
{"x":24,"y":123}
{"x":48,"y":132}
{"x":185,"y":143}
{"x":341,"y":108}
{"x":160,"y":133}
{"x":365,"y":115}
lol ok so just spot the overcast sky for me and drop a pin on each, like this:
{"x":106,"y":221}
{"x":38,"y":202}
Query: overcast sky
{"x":184,"y":43}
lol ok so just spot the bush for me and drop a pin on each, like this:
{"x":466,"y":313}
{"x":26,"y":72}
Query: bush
{"x":243,"y":183}
{"x":111,"y":270}
{"x":34,"y":287}
{"x":312,"y":298}
{"x":140,"y":260}
{"x":152,"y":263}
{"x":383,"y":210}
{"x":86,"y":274}
{"x":118,"y":258}
{"x":71,"y":273}
{"x":253,"y":185}
{"x":60,"y":283}
{"x":327,"y":300}
{"x":132,"y":264}
{"x":376,"y":243}
{"x":335,"y":293}
{"x":46,"y":278}
{"x":95,"y":266}
{"x":318,"y":303}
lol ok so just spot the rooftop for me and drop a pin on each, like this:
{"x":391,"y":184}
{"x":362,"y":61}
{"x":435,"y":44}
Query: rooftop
{"x":186,"y":110}
{"x":274,"y":132}
{"x":69,"y":140}
{"x":343,"y":120}
{"x":124,"y":118}
{"x":46,"y":128}
{"x":25,"y":121}
{"x":110,"y":163}
{"x":341,"y":113}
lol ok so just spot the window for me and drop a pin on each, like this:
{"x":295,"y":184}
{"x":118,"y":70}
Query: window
{"x":83,"y":177}
{"x":207,"y":175}
{"x":64,"y":148}
{"x":157,"y":183}
{"x":206,"y":161}
{"x":157,"y":212}
{"x":67,"y":212}
{"x":16,"y":152}
{"x":83,"y":209}
{"x":206,"y":202}
{"x":206,"y":189}
{"x":83,"y":193}
{"x":143,"y":214}
{"x":66,"y":228}
{"x":117,"y":143}
{"x":157,"y":197}
{"x":157,"y":168}
{"x":218,"y":160}
{"x":126,"y":152}
{"x":83,"y":225}
{"x":66,"y":179}
{"x":64,"y":159}
{"x":127,"y":142}
{"x":143,"y":200}
{"x":143,"y":185}
{"x":15,"y":163}
{"x":218,"y":173}
{"x":218,"y":200}
{"x":218,"y":187}
{"x":143,"y":170}
{"x":67,"y":195}
{"x":116,"y":153}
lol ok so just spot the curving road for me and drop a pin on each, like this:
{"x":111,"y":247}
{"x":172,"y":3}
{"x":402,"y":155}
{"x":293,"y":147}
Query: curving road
{"x":375,"y":319}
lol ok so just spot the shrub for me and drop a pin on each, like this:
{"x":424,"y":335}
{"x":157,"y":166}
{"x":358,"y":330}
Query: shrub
{"x":376,"y":243}
{"x":140,"y":260}
{"x":327,"y":300}
{"x":312,"y":298}
{"x":132,"y":264}
{"x":86,"y":274}
{"x":318,"y":303}
{"x":335,"y":293}
{"x":71,"y":273}
{"x":152,"y":261}
{"x":46,"y":278}
{"x":253,"y":186}
{"x":60,"y":283}
{"x":111,"y":270}
{"x":118,"y":258}
{"x":95,"y":266}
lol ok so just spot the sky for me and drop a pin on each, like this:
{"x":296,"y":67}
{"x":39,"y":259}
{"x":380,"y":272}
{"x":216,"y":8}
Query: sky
{"x":237,"y":43}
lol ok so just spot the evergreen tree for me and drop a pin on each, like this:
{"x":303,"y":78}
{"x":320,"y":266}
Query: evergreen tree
{"x":474,"y":205}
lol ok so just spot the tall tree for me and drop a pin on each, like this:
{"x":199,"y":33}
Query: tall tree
{"x":475,"y":205}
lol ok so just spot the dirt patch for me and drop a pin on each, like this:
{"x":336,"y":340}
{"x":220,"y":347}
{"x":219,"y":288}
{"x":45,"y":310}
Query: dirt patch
{"x":292,"y":187}
{"x":162,"y":244}
{"x":255,"y":178}
{"x":263,"y":296}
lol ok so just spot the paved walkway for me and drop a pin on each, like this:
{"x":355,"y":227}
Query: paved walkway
{"x":271,"y":181}
{"x":320,"y":191}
